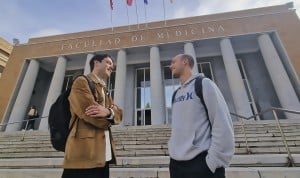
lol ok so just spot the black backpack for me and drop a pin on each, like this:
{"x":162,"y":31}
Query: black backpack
{"x":60,"y":116}
{"x":198,"y":91}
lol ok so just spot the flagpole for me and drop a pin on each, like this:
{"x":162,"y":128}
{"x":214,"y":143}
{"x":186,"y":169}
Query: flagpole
{"x":111,"y":20}
{"x":164,"y":13}
{"x":137,"y":17}
{"x":146,"y":21}
{"x":127,"y":15}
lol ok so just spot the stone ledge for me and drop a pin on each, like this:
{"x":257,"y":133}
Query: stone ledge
{"x":153,"y":161}
{"x":255,"y":172}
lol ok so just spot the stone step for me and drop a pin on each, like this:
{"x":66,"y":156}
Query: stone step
{"x":256,"y":141}
{"x":43,"y":139}
{"x":134,"y":136}
{"x":41,"y":153}
{"x":270,"y":160}
{"x":26,"y":147}
{"x":236,"y":172}
{"x":237,"y":125}
{"x":40,"y":137}
{"x":149,"y":131}
{"x":267,"y":144}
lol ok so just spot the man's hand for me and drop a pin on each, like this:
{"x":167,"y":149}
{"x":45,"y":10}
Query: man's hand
{"x":97,"y":110}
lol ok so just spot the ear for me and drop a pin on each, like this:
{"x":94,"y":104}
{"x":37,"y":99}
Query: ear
{"x":185,"y":62}
{"x":95,"y":62}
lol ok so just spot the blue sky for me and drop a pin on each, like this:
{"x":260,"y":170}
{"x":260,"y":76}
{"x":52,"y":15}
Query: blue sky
{"x":24,"y":19}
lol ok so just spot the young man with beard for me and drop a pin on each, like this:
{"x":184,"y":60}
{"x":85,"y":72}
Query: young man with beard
{"x":202,"y":138}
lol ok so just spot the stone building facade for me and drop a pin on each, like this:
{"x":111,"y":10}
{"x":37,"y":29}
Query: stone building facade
{"x":252,"y":55}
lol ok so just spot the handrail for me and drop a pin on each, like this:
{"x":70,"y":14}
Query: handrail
{"x":290,"y":158}
{"x":273,"y":110}
{"x":1,"y":125}
{"x":25,"y":130}
{"x":265,"y":111}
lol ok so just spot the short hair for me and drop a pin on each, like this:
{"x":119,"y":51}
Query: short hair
{"x":98,"y":57}
{"x":189,"y":58}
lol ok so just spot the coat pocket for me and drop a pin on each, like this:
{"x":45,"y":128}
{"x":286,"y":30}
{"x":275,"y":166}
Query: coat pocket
{"x":86,"y":133}
{"x":81,"y":146}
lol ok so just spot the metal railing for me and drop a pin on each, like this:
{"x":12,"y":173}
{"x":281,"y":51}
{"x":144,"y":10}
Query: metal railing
{"x":3,"y":126}
{"x":274,"y":112}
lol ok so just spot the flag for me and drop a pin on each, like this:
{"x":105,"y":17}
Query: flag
{"x":111,"y":5}
{"x":146,"y":3}
{"x":129,"y":2}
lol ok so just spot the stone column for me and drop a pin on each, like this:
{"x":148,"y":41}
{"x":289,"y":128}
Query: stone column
{"x":129,"y":106}
{"x":281,"y":82}
{"x":87,"y":68}
{"x":236,"y":84}
{"x":157,"y":95}
{"x":54,"y":90}
{"x":120,"y":81}
{"x":190,"y":50}
{"x":20,"y":108}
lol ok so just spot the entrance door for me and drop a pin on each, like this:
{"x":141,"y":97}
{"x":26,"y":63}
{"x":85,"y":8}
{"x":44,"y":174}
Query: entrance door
{"x":143,"y":97}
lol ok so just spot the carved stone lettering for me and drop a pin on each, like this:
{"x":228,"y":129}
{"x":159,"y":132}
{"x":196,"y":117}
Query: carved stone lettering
{"x":164,"y":34}
{"x":177,"y":33}
{"x":78,"y":45}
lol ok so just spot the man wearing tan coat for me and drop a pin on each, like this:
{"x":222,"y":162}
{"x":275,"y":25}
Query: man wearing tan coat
{"x":90,"y":147}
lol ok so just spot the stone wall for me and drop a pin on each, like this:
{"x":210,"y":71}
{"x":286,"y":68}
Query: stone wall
{"x":5,"y":51}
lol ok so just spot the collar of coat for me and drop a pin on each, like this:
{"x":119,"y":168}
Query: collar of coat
{"x":96,"y":80}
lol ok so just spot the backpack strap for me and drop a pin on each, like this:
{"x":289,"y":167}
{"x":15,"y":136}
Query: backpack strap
{"x":174,"y":94}
{"x":91,"y":85}
{"x":199,"y":93}
{"x":198,"y":90}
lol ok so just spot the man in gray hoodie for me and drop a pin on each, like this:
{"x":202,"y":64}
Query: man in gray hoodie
{"x":199,"y":146}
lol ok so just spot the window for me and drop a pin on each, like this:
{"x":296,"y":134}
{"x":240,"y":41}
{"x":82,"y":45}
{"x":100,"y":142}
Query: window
{"x":111,"y":84}
{"x":205,"y":67}
{"x":69,"y":76}
{"x":247,"y":87}
{"x":143,"y":96}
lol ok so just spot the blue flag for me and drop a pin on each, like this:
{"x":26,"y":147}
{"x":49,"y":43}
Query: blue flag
{"x":146,"y":1}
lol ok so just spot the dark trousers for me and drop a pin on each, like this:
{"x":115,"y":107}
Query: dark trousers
{"x":195,"y":168}
{"x":30,"y":124}
{"x":101,"y":172}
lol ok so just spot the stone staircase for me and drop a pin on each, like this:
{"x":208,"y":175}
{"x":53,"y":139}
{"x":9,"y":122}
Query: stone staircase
{"x":142,"y":152}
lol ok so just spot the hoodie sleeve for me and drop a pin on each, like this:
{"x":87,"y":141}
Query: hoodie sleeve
{"x":222,"y":147}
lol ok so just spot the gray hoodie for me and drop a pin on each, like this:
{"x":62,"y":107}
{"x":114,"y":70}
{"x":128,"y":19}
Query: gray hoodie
{"x":191,"y":130}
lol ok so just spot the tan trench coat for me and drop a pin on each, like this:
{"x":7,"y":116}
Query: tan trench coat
{"x":85,"y":147}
